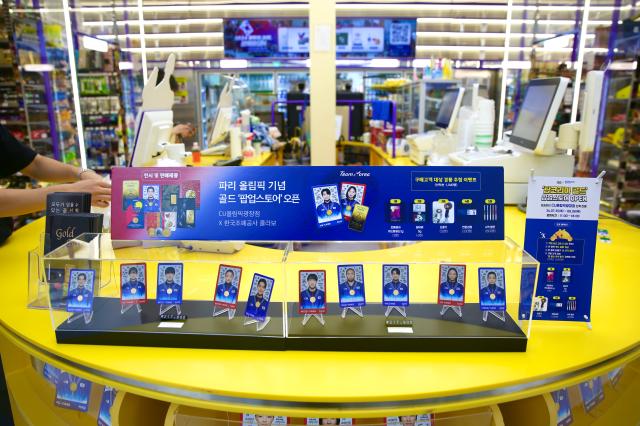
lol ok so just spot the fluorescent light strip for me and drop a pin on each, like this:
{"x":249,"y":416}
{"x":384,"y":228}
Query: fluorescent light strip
{"x":501,"y":49}
{"x":150,"y":22}
{"x":502,"y":22}
{"x":455,"y":34}
{"x":196,"y":8}
{"x":170,"y":49}
{"x":162,"y":36}
{"x":233,"y":63}
{"x":93,"y":43}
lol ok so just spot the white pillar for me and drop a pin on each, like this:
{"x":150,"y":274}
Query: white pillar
{"x":322,"y":30}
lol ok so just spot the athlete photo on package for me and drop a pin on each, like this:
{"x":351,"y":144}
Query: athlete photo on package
{"x":262,"y":420}
{"x":563,"y":406}
{"x":351,"y":286}
{"x":395,"y":285}
{"x":72,"y":392}
{"x":259,"y":295}
{"x":227,"y":286}
{"x":312,"y":289}
{"x":351,"y":195}
{"x":104,"y":415}
{"x":327,"y":204}
{"x":133,"y":283}
{"x":411,"y":420}
{"x":170,"y":283}
{"x":80,"y":291}
{"x":492,"y":289}
{"x":151,"y":196}
{"x":452,"y":280}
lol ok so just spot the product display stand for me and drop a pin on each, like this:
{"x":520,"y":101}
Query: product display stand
{"x":125,"y":308}
{"x":307,"y":317}
{"x":260,"y":325}
{"x":400,"y":309}
{"x":357,"y":311}
{"x":501,"y":315}
{"x":217,"y":312}
{"x":455,"y":309}
{"x":86,"y":315}
{"x":165,"y":308}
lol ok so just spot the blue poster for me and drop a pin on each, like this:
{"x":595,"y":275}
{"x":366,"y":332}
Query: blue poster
{"x":72,"y":392}
{"x":563,"y":407}
{"x":562,"y":222}
{"x":307,"y":203}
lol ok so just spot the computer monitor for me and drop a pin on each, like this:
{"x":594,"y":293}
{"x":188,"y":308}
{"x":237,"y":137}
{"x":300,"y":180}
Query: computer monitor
{"x":153,"y":133}
{"x":449,"y":108}
{"x":537,"y":113}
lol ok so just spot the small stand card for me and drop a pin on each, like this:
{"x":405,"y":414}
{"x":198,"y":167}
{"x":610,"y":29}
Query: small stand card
{"x":225,"y":298}
{"x":395,"y":288}
{"x":351,"y":289}
{"x":170,"y":282}
{"x":104,"y":415}
{"x":493,"y":299}
{"x":80,"y":294}
{"x":55,"y":280}
{"x":328,"y":209}
{"x":452,"y":280}
{"x":414,"y":420}
{"x":133,"y":286}
{"x":324,"y":421}
{"x":258,"y":302}
{"x":262,"y":420}
{"x":351,"y":195}
{"x":72,"y":392}
{"x":312,"y":289}
{"x":592,"y":393}
{"x":563,"y":407}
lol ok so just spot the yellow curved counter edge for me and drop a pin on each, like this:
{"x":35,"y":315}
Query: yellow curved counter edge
{"x":349,"y":384}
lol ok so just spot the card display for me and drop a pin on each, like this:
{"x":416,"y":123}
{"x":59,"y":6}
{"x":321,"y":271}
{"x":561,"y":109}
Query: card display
{"x":351,"y":286}
{"x":80,"y":290}
{"x":261,"y":203}
{"x":133,"y":283}
{"x":72,"y":392}
{"x":227,"y":286}
{"x":395,"y":287}
{"x":259,"y":296}
{"x":104,"y":415}
{"x":312,"y":288}
{"x":492,"y":289}
{"x":592,"y":393}
{"x":170,"y":280}
{"x":65,"y":227}
{"x":563,"y":407}
{"x":452,"y":279}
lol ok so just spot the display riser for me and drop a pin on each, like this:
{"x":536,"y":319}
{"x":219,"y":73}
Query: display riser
{"x":431,"y":331}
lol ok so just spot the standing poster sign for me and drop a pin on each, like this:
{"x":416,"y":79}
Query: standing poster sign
{"x":562,"y":223}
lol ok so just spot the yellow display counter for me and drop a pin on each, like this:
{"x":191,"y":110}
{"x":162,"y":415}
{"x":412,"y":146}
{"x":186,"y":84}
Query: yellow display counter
{"x":378,"y":156}
{"x":266,"y":158}
{"x":220,"y":384}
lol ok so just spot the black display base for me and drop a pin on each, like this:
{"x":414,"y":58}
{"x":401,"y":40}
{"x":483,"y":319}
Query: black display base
{"x":431,"y":332}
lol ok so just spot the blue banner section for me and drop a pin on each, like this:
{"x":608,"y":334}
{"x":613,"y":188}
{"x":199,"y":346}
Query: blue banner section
{"x":308,"y":203}
{"x":561,"y":233}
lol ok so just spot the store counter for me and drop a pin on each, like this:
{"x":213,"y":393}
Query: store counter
{"x":329,"y":384}
{"x":266,"y":158}
{"x":378,"y":156}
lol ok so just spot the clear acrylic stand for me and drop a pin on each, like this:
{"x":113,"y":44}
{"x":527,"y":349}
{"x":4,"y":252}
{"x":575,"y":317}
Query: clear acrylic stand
{"x":307,"y":317}
{"x":357,"y":311}
{"x":124,"y":308}
{"x":400,"y":309}
{"x":86,"y":315}
{"x":260,"y":325}
{"x":165,"y":308}
{"x":498,"y":314}
{"x":216,"y":311}
{"x":456,"y":309}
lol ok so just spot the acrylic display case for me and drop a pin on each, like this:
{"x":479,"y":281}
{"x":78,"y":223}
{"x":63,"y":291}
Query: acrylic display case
{"x":425,"y":324}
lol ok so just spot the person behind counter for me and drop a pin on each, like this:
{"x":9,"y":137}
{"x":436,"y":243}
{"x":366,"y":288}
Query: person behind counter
{"x":16,"y":156}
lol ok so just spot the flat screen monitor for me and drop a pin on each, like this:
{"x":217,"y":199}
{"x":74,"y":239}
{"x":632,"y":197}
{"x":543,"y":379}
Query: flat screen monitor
{"x":538,"y":112}
{"x":449,"y":108}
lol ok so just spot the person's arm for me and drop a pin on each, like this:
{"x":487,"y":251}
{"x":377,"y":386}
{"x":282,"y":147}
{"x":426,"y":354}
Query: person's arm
{"x":48,"y":170}
{"x":15,"y":202}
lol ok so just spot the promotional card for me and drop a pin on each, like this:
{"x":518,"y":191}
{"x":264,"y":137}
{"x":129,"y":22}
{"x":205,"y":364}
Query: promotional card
{"x":358,"y":218}
{"x":186,"y":213}
{"x":80,"y":290}
{"x":328,"y":210}
{"x":133,"y":283}
{"x":493,"y":293}
{"x":151,"y":194}
{"x":191,"y":189}
{"x":452,"y":279}
{"x":351,"y":194}
{"x":55,"y":280}
{"x":170,"y":195}
{"x":259,"y":295}
{"x":563,"y":407}
{"x":50,"y":373}
{"x":414,"y":420}
{"x":170,"y":282}
{"x":614,"y":376}
{"x":72,"y":392}
{"x":592,"y":393}
{"x":104,"y":415}
{"x":262,"y":420}
{"x":351,"y":286}
{"x":227,"y":286}
{"x":312,"y":289}
{"x":395,"y":285}
{"x":315,"y":421}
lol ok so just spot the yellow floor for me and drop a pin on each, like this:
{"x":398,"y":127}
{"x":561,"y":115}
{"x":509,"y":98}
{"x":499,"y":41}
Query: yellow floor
{"x":558,"y":355}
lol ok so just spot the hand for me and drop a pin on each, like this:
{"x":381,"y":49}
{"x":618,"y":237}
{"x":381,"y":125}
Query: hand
{"x":100,"y":190}
{"x":184,"y":130}
{"x":90,"y":175}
